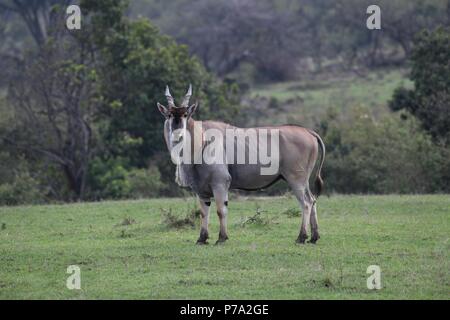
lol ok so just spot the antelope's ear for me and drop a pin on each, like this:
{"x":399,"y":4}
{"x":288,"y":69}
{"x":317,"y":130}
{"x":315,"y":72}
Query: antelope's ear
{"x":192,"y":108}
{"x":163,"y":110}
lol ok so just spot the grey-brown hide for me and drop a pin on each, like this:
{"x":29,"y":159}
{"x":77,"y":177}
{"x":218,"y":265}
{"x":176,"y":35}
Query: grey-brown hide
{"x":298,"y":154}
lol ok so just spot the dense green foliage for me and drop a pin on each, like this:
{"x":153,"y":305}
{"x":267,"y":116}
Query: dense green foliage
{"x":429,"y":101}
{"x":18,"y":185}
{"x":381,"y":155}
{"x":126,"y":250}
{"x":92,"y":120}
{"x":135,"y":64}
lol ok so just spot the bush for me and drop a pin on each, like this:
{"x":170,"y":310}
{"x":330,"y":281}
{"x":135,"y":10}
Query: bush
{"x":385,"y":155}
{"x":108,"y":179}
{"x":24,"y":189}
{"x":429,"y":101}
{"x":17,"y":185}
{"x":145,"y":183}
{"x":112,"y":179}
{"x":174,"y":221}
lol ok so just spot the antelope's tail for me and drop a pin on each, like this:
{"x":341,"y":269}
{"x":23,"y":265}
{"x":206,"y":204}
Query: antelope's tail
{"x":319,"y":181}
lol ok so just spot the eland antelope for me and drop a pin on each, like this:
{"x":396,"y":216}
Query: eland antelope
{"x":294,"y":150}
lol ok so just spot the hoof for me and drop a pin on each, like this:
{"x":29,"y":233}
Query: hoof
{"x":314,"y":239}
{"x":301,"y":238}
{"x":200,"y":243}
{"x":221,"y":240}
{"x":203,"y":237}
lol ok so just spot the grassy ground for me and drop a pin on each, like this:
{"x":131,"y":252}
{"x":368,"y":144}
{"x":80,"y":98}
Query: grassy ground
{"x":127,"y":250}
{"x":307,"y":101}
{"x":374,"y":89}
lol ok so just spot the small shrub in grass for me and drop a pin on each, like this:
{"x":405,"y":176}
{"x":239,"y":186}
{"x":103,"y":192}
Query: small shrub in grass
{"x":173,"y":221}
{"x":124,"y":234}
{"x":328,"y":282}
{"x":292,"y":212}
{"x":196,"y":212}
{"x":127,"y":221}
{"x":257,"y":219}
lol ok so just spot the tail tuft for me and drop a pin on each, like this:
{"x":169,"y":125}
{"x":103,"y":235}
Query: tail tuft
{"x":319,"y":185}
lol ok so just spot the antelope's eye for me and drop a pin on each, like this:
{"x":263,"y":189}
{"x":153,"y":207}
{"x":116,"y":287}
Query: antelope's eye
{"x":184,"y":115}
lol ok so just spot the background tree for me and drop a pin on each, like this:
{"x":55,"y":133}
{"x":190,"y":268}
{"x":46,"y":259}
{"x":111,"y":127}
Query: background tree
{"x":36,"y":14}
{"x":366,"y":154}
{"x":135,"y":62}
{"x":429,"y":101}
{"x":54,"y":100}
{"x":277,"y":40}
{"x":85,"y":101}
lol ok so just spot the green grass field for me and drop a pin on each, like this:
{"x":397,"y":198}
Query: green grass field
{"x":307,"y":101}
{"x":340,"y":91}
{"x":407,"y":236}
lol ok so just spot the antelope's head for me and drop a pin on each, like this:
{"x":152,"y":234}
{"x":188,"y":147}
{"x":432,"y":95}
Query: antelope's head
{"x":176,"y":117}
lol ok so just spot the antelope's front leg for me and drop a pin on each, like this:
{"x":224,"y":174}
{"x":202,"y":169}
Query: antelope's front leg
{"x":204,"y":208}
{"x":221,"y":197}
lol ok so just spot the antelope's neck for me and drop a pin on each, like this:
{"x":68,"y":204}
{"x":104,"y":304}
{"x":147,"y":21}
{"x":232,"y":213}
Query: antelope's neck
{"x":184,"y":174}
{"x":191,"y":123}
{"x":195,"y":129}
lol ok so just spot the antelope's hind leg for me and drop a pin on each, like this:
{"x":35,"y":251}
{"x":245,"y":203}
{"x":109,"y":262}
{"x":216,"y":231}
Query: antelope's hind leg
{"x":221,"y":197}
{"x":204,"y":208}
{"x":300,"y":191}
{"x":314,"y":222}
